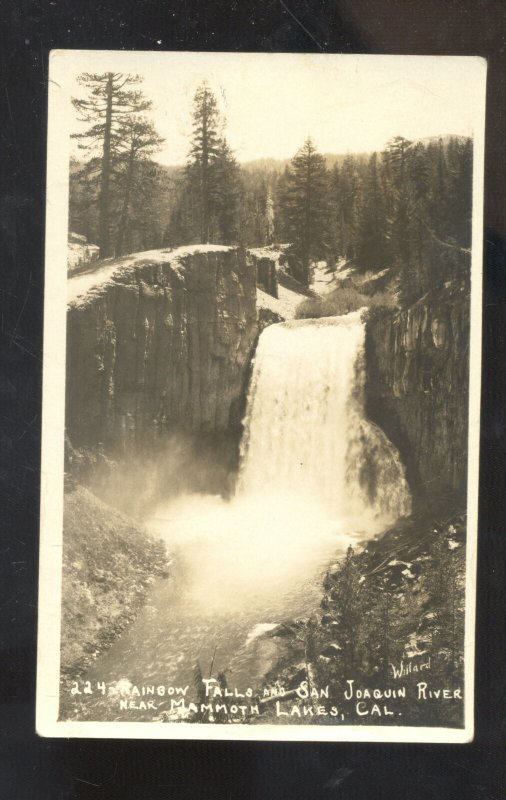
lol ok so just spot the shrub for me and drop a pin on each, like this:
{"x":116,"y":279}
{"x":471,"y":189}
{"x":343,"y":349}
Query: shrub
{"x":377,"y":312}
{"x":314,"y":307}
{"x":342,"y":301}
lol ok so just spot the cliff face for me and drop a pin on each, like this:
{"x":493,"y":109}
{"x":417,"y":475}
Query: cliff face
{"x":158,"y":343}
{"x":266,"y":261}
{"x":417,"y":387}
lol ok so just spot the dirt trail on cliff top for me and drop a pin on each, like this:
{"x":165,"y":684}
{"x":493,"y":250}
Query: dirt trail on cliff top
{"x":78,"y":285}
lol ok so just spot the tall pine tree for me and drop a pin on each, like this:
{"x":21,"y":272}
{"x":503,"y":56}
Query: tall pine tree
{"x":139,"y":141}
{"x":209,"y":192}
{"x":111,"y":98}
{"x":225,"y":195}
{"x":371,"y":247}
{"x":349,"y":194}
{"x":401,"y":233}
{"x":203,"y":156}
{"x":305,"y":205}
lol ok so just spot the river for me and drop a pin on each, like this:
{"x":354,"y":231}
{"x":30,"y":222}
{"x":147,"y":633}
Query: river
{"x":315,"y":476}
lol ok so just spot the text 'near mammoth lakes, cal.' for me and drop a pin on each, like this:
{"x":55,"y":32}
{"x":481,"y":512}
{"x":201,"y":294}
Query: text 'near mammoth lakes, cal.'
{"x":261,"y":396}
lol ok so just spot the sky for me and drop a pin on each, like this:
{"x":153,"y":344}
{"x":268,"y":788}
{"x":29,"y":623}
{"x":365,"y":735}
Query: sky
{"x":272,"y":102}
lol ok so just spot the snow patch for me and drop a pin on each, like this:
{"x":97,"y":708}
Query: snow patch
{"x":325,"y":279}
{"x":80,"y":285}
{"x":284,"y":305}
{"x":272,"y":252}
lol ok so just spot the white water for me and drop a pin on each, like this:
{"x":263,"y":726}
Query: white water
{"x":314,"y":472}
{"x":305,"y":431}
{"x":315,"y":476}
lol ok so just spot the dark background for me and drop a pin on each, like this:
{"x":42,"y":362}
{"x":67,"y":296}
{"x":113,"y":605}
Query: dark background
{"x":45,"y":769}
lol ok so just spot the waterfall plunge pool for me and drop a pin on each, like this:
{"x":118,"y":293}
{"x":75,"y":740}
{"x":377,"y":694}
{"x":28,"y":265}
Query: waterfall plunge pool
{"x":315,"y":476}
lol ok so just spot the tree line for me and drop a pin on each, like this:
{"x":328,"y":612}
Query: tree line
{"x":407,"y":208}
{"x":118,"y":145}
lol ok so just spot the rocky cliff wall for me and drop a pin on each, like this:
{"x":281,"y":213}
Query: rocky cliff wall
{"x":266,"y":265}
{"x":158,"y":343}
{"x":417,"y":387}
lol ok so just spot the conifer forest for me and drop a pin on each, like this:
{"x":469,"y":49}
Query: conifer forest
{"x":267,"y":438}
{"x":407,"y":207}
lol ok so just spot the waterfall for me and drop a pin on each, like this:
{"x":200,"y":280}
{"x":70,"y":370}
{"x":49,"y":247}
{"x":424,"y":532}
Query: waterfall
{"x":306,"y":434}
{"x":315,"y":475}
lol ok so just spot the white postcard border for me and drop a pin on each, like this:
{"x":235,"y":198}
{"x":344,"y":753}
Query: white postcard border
{"x":53,"y":416}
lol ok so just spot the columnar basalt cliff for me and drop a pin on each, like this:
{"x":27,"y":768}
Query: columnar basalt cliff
{"x":160,"y":342}
{"x":266,"y":261}
{"x":417,"y":386}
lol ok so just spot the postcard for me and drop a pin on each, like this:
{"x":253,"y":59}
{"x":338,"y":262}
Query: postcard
{"x":261,"y":396}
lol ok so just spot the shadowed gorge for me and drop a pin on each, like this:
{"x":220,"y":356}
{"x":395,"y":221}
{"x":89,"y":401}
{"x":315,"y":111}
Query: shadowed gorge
{"x":161,"y":350}
{"x":256,"y":451}
{"x":250,"y":563}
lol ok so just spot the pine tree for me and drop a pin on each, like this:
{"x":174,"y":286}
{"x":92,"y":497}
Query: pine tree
{"x":305,"y":208}
{"x":224,"y":195}
{"x":419,"y":175}
{"x":203,"y":156}
{"x":256,"y":209}
{"x":269,"y":216}
{"x":349,"y":202}
{"x":398,"y":154}
{"x":349,"y":602}
{"x":150,"y":206}
{"x":139,"y":141}
{"x":83,"y":197}
{"x":402,"y":237}
{"x":335,"y":215}
{"x":281,"y":224}
{"x":440,"y":187}
{"x":110,"y":100}
{"x":209,"y":196}
{"x":460,"y":168}
{"x":183,"y":226}
{"x":371,"y":246}
{"x":446,"y":213}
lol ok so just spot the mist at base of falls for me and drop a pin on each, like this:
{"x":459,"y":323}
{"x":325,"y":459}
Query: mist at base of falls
{"x":315,"y":476}
{"x":253,"y":549}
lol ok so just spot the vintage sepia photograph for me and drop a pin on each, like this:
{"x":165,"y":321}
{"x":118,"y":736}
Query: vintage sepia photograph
{"x":261,"y":396}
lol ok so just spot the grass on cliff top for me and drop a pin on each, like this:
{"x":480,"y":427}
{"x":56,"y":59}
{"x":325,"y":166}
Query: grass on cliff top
{"x":108,"y":564}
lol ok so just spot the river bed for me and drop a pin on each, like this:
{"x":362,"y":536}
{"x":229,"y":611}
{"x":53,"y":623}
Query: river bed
{"x":315,"y":476}
{"x":231,"y":584}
